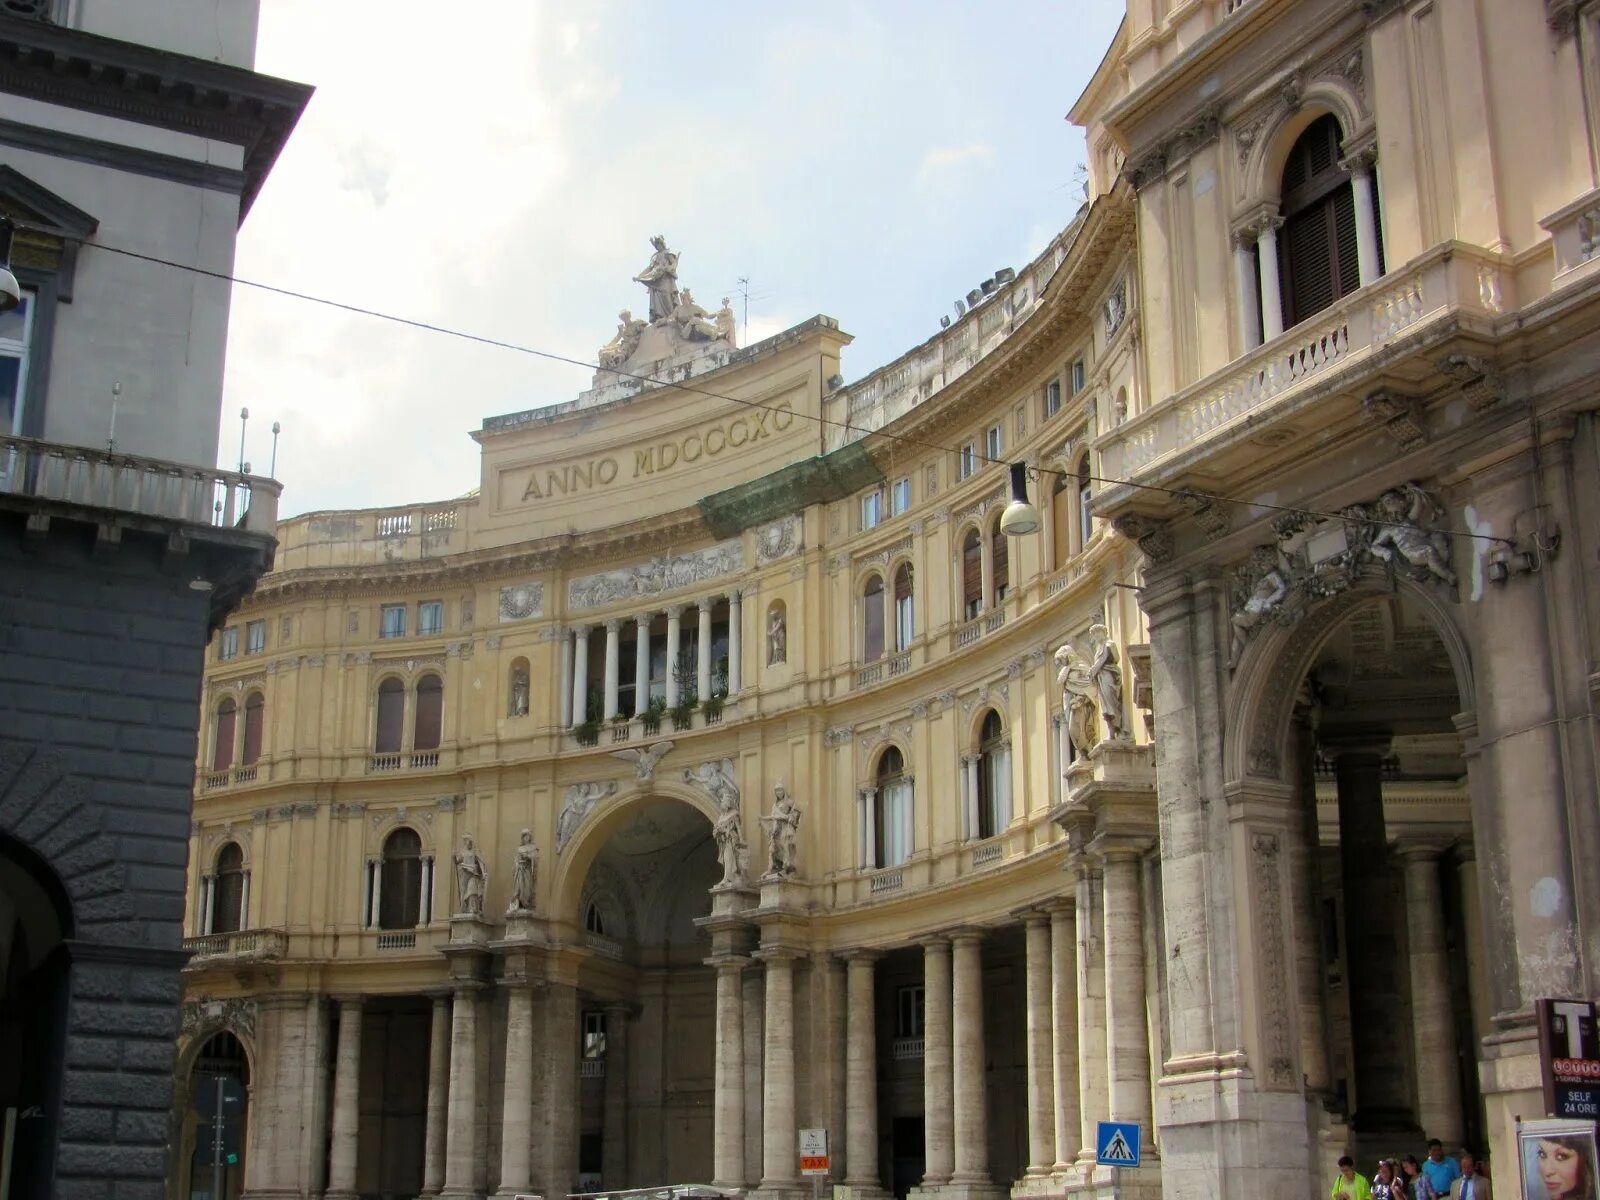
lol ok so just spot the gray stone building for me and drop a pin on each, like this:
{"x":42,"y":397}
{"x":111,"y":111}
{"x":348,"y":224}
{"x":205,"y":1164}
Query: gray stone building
{"x":132,"y":137}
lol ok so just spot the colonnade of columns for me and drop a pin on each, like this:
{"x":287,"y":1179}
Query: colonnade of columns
{"x":1257,"y":273}
{"x":575,"y":660}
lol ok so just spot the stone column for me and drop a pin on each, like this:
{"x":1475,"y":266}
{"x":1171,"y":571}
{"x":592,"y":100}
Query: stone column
{"x":516,"y":1121}
{"x":727,"y":1153}
{"x":753,"y":996}
{"x":208,"y":888}
{"x":780,"y":1134}
{"x":346,"y":1102}
{"x":1360,"y":167}
{"x":1094,"y":1093}
{"x":641,"y":665}
{"x":1041,"y":1057}
{"x":561,"y":1077}
{"x":1271,"y":297}
{"x":1377,"y":1033}
{"x":1244,"y":290}
{"x":614,"y":1131}
{"x":869,"y":828}
{"x":1305,"y":854}
{"x":438,"y":1097}
{"x":735,"y":644}
{"x":1064,"y":1022}
{"x":1127,"y":1034}
{"x":938,"y":1099}
{"x":613,"y":667}
{"x":969,"y":1061}
{"x":969,"y":770}
{"x":565,"y":686}
{"x":461,"y":1140}
{"x":1432,"y":1011}
{"x":580,"y":674}
{"x":861,"y":1074}
{"x":674,"y":639}
{"x":986,"y":570}
{"x":702,"y":674}
{"x":1472,"y":938}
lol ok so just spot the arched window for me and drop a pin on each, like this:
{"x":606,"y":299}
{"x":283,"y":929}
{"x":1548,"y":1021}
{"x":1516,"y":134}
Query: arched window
{"x":400,"y":898}
{"x":222,"y":739}
{"x":430,"y":713}
{"x":1085,"y":504}
{"x":994,"y":777}
{"x":905,"y":622}
{"x":254,"y":712}
{"x":872,"y":620}
{"x":972,"y":574}
{"x":1061,"y":522}
{"x":594,"y":920}
{"x":227,"y":896}
{"x":391,"y":716}
{"x":1320,"y":261}
{"x":999,"y":552}
{"x":889,"y":823}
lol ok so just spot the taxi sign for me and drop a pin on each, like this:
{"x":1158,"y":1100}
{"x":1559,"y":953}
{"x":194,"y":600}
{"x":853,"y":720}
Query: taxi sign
{"x":813,"y":1152}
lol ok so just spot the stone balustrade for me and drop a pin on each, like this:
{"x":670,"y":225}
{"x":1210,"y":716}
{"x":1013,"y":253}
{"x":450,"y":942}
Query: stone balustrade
{"x":240,"y":945}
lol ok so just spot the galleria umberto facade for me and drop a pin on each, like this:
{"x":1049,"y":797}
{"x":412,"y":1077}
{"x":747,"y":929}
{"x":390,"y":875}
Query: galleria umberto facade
{"x":717,"y":768}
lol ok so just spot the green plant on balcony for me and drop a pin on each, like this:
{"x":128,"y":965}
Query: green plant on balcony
{"x":588,"y":731}
{"x":620,"y":718}
{"x":683,"y":711}
{"x":712,"y":708}
{"x":653,"y":713}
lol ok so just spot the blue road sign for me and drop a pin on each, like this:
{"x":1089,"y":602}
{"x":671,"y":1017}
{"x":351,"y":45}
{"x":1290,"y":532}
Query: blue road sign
{"x":1116,"y":1144}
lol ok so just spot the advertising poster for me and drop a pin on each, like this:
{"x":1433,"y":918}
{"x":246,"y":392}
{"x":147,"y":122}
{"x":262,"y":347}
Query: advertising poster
{"x":1558,"y":1159}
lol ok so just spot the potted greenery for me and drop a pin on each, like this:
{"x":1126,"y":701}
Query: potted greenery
{"x":683,"y":711}
{"x":712,"y":708}
{"x":588,"y":731}
{"x":653,"y":714}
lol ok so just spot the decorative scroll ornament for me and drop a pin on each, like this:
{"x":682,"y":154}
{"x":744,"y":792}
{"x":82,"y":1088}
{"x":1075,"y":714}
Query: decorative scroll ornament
{"x":1313,"y":559}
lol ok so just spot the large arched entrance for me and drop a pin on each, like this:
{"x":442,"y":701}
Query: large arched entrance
{"x":213,"y":1153}
{"x":34,"y":921}
{"x":647,"y":1001}
{"x":1360,"y":711}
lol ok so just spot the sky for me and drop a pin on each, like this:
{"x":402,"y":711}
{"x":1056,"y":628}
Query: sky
{"x":499,"y":168}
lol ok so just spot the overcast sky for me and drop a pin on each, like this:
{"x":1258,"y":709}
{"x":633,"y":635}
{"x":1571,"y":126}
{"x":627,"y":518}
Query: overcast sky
{"x":499,"y":167}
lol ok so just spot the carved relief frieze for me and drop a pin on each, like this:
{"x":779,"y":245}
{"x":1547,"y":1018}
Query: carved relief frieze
{"x":839,"y":735}
{"x":662,"y":574}
{"x":1271,"y":969}
{"x":579,"y":800}
{"x":521,"y":601}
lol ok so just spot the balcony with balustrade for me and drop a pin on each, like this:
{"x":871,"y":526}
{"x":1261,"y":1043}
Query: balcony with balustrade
{"x":240,"y":946}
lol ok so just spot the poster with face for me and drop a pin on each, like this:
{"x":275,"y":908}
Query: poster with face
{"x":1558,"y":1160}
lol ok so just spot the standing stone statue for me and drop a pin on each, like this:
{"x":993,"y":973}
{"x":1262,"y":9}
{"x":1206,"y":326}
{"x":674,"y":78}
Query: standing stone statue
{"x":524,"y":874}
{"x":1077,"y":699}
{"x":727,"y":328}
{"x":660,"y":279}
{"x":729,"y":837}
{"x":472,"y":879}
{"x":1106,"y":672}
{"x":777,"y":638}
{"x":783,"y":825}
{"x":519,"y":693}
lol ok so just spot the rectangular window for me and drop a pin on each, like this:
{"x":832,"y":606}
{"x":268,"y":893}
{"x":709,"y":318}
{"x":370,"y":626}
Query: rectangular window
{"x":900,"y":496}
{"x":594,"y":1034}
{"x":969,"y":461}
{"x":392,"y":621}
{"x":255,"y":637}
{"x":1052,"y":398}
{"x":1078,"y":376}
{"x":16,"y":331}
{"x":894,"y":823}
{"x":871,"y":509}
{"x":908,"y":1012}
{"x":228,"y":645}
{"x":994,"y":442}
{"x":430,"y":617}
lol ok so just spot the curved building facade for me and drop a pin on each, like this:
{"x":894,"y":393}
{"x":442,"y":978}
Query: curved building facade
{"x":717,"y":769}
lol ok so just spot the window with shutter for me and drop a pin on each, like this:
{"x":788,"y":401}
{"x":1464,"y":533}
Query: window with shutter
{"x":229,"y":895}
{"x":1318,"y":258}
{"x":972,"y":574}
{"x":391,"y":716}
{"x":222,"y":748}
{"x":1002,"y":566}
{"x":1085,"y":503}
{"x":1061,"y":523}
{"x":254,"y":710}
{"x":904,"y":616}
{"x":400,"y":901}
{"x":872,"y":620}
{"x":430,"y":713}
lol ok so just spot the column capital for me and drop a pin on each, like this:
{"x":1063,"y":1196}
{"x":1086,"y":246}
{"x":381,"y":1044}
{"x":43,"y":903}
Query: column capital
{"x":619,"y":1008}
{"x":643,"y":619}
{"x":706,"y":603}
{"x":966,"y":934}
{"x":673,"y":611}
{"x":1420,"y":850}
{"x":1120,"y":847}
{"x":1360,"y":156}
{"x":613,"y":624}
{"x":732,"y":964}
{"x":1033,"y":916}
{"x":579,"y":628}
{"x":866,"y":955}
{"x":774,"y":955}
{"x":734,"y":596}
{"x":348,"y":999}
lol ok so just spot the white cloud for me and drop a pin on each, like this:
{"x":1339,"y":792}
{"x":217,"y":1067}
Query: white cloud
{"x":942,"y":158}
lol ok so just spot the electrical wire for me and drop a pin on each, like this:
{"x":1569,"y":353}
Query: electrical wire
{"x":865,"y":432}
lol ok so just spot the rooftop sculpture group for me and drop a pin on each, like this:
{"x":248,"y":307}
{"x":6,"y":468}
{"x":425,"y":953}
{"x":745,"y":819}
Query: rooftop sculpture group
{"x":678,"y":327}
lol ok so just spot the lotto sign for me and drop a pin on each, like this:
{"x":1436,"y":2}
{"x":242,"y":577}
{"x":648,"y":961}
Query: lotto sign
{"x":1569,"y":1053}
{"x":813,"y":1152}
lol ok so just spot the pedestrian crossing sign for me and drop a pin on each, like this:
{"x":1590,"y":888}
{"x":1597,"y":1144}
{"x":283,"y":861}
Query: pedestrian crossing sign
{"x":1117,"y":1144}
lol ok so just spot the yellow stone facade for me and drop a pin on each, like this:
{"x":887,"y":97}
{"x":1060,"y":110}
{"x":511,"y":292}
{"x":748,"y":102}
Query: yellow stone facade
{"x":1331,"y":515}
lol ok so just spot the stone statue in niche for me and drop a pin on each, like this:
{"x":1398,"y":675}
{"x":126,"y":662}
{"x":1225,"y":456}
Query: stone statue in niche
{"x":1403,"y":517}
{"x":660,"y":279}
{"x":472,"y":879}
{"x":783,"y":825}
{"x":777,"y":637}
{"x":524,"y":874}
{"x":620,"y":348}
{"x":1077,"y":698}
{"x":519,"y":693}
{"x":726,"y":328}
{"x":1265,"y":599}
{"x":693,"y":322}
